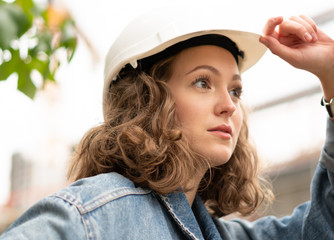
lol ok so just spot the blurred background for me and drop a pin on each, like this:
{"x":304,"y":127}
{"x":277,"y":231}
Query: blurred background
{"x":55,"y":94}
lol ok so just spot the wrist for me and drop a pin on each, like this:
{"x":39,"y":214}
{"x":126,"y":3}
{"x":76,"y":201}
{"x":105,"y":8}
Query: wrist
{"x":329,"y":106}
{"x":327,"y":84}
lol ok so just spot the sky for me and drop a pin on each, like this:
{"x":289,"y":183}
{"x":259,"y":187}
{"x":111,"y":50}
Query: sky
{"x":46,"y":127}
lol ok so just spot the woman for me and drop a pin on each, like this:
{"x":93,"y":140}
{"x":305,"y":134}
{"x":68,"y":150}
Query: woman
{"x":175,"y":137}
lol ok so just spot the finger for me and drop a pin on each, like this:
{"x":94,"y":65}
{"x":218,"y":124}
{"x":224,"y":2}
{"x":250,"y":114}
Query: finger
{"x":289,"y":27}
{"x":303,"y":22}
{"x":310,"y":21}
{"x":309,"y":25}
{"x":271,"y":24}
{"x":278,"y":49}
{"x":313,"y":25}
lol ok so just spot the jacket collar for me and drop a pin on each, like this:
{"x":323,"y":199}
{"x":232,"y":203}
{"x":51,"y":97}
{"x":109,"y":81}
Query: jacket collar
{"x":192,"y":221}
{"x":204,"y":219}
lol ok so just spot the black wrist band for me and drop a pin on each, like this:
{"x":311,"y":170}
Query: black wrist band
{"x":329,"y":106}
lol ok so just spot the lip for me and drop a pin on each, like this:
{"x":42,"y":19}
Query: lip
{"x":222,"y":131}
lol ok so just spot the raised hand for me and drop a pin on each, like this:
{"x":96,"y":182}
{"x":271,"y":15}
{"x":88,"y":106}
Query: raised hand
{"x":301,"y":43}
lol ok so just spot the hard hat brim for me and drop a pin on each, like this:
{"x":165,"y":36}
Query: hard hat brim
{"x":148,"y":35}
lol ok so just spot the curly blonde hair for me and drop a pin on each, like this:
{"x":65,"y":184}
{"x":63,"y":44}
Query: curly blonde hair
{"x":141,"y":140}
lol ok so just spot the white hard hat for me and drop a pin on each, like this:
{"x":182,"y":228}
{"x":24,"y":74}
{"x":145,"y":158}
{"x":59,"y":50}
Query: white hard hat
{"x":153,"y":32}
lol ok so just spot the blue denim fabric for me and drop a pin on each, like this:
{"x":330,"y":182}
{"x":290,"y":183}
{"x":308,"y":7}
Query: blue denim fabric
{"x":310,"y":221}
{"x":109,"y":206}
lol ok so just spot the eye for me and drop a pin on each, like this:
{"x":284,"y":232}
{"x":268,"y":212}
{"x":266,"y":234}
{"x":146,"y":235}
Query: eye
{"x":236,"y":92}
{"x":202,"y":82}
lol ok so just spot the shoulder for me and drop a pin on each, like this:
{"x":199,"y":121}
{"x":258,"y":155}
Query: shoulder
{"x":92,"y":208}
{"x":111,"y":205}
{"x":90,"y":193}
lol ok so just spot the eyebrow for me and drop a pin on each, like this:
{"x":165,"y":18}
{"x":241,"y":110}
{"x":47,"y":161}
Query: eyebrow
{"x":214,"y":70}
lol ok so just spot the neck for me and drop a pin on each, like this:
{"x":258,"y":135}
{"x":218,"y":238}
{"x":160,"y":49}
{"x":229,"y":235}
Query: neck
{"x":190,"y":195}
{"x":193,"y":187}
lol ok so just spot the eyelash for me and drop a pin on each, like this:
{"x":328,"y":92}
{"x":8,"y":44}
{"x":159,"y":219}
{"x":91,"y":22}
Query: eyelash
{"x":236,"y":92}
{"x":205,"y":79}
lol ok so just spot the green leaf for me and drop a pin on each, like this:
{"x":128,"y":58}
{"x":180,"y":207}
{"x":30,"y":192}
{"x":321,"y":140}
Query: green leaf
{"x":24,"y":83}
{"x":13,"y":24}
{"x":23,"y":70}
{"x":18,"y":16}
{"x":15,"y":20}
{"x":68,"y":38}
{"x":42,"y":66}
{"x":44,"y":43}
{"x":51,"y":76}
{"x":7,"y":68}
{"x":27,"y":6}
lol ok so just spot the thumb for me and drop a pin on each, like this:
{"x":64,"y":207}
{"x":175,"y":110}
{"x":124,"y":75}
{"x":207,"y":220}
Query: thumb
{"x":277,"y":48}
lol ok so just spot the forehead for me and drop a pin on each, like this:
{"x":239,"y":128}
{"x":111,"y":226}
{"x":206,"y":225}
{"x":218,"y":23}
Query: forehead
{"x":206,"y":54}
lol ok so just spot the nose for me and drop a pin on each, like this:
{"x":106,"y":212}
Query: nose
{"x":224,"y":104}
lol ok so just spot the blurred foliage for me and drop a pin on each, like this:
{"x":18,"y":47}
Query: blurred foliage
{"x":34,"y":39}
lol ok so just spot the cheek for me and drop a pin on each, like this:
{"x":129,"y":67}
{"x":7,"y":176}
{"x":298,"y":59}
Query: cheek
{"x":238,"y":121}
{"x":185,"y":113}
{"x":191,"y":112}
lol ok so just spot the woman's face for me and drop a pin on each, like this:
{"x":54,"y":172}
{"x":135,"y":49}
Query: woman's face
{"x":206,"y":87}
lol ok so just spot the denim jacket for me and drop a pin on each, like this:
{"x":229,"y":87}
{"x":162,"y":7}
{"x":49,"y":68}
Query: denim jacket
{"x":109,"y":206}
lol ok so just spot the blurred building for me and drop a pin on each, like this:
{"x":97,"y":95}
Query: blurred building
{"x":20,"y":181}
{"x":24,"y":191}
{"x":291,"y":183}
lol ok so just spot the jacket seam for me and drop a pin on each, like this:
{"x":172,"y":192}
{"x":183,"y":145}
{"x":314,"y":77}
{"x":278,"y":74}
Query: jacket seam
{"x":179,"y":222}
{"x":100,"y":200}
{"x":89,"y":232}
{"x":89,"y":229}
{"x":112,"y":196}
{"x":95,"y":203}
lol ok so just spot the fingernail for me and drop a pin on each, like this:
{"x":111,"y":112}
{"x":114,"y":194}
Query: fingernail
{"x":314,"y":37}
{"x":308,"y":37}
{"x":277,"y":19}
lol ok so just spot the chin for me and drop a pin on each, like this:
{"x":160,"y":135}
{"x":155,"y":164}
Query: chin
{"x":218,"y":162}
{"x":218,"y":159}
{"x":216,"y":154}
